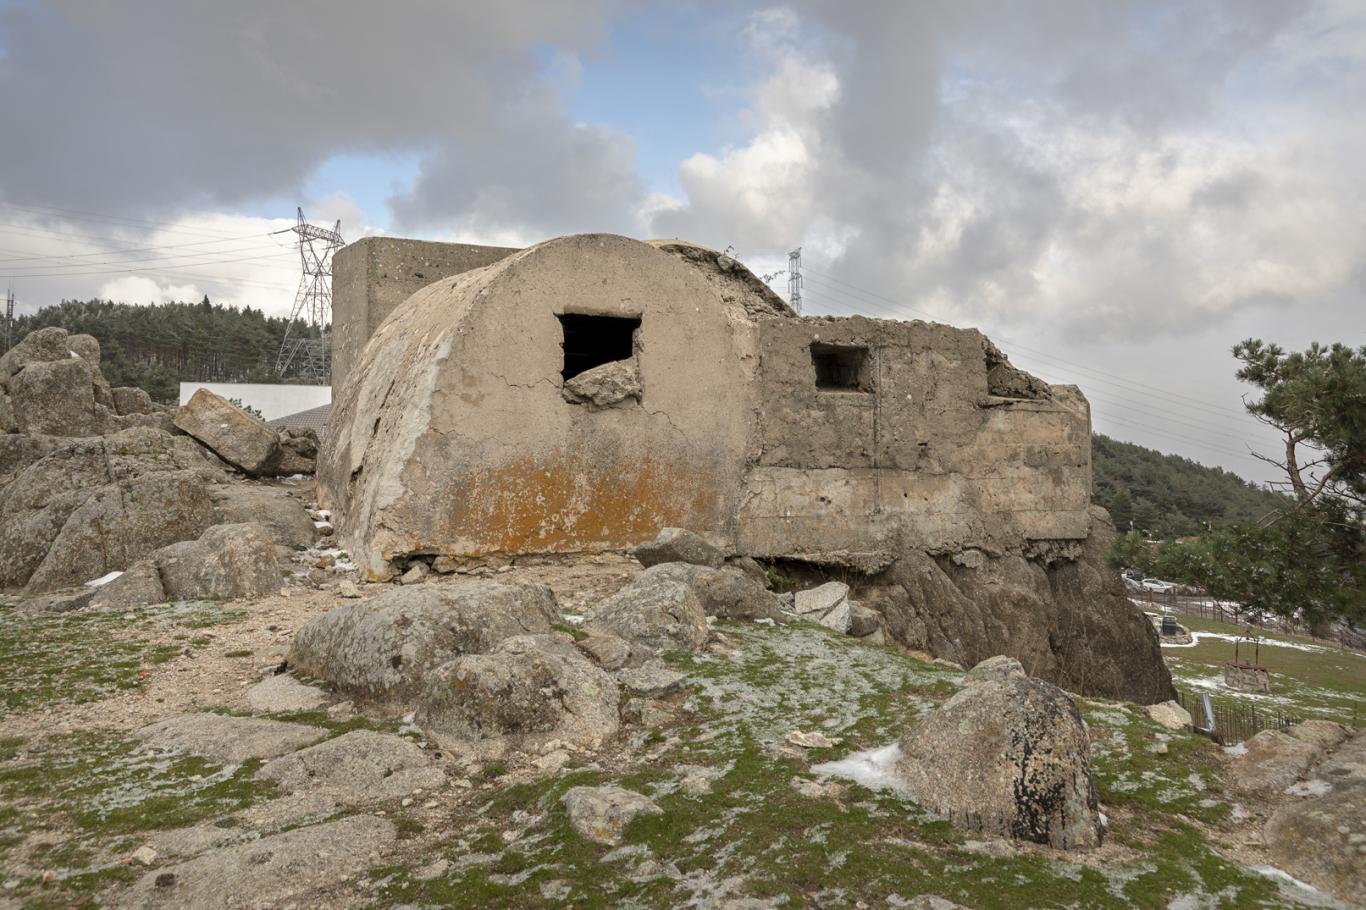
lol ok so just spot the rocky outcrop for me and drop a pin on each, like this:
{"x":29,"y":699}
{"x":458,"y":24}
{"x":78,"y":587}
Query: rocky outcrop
{"x":357,"y":768}
{"x":224,"y":563}
{"x":383,"y":650}
{"x":1274,"y":759}
{"x":267,"y":872}
{"x":283,"y":516}
{"x":1006,"y":756}
{"x":1332,"y":825}
{"x":827,"y":605}
{"x":601,"y":813}
{"x":654,"y":611}
{"x":527,"y":691}
{"x":96,"y":505}
{"x":51,"y":385}
{"x":225,"y":739}
{"x":1065,"y":619}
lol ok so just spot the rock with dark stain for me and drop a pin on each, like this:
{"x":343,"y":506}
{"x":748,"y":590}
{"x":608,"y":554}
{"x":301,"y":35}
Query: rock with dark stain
{"x":1008,"y":757}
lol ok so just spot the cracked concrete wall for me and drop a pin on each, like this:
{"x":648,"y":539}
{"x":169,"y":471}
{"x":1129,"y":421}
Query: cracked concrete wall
{"x":453,"y":436}
{"x":927,"y":458}
{"x":372,"y":276}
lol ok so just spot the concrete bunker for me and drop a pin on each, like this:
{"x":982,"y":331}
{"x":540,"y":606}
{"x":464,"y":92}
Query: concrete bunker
{"x":580,"y":395}
{"x":707,"y":403}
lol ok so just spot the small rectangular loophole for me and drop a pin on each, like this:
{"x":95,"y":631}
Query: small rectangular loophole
{"x":591,"y":341}
{"x":841,"y":367}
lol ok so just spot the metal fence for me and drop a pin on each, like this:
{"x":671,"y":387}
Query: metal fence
{"x":1229,"y":724}
{"x":1206,"y":608}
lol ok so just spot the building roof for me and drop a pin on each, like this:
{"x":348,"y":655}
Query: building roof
{"x":313,"y":419}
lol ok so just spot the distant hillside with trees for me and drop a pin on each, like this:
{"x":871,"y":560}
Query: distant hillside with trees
{"x":157,"y":346}
{"x":1168,"y":496}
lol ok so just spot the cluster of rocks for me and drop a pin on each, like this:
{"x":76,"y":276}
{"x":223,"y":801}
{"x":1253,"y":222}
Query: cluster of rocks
{"x":99,"y":483}
{"x":488,"y":666}
{"x":1321,"y":766}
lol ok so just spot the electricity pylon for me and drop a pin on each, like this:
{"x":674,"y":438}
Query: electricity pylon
{"x":308,"y":357}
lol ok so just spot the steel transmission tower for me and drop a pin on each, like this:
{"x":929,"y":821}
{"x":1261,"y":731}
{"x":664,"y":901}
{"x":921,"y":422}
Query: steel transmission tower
{"x":794,"y":279}
{"x":9,"y":319}
{"x":308,"y":357}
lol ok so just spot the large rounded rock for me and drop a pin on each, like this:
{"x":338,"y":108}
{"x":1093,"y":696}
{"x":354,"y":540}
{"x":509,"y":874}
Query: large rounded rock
{"x":655,"y":611}
{"x":383,"y":649}
{"x":528,"y":690}
{"x":1008,"y":757}
{"x":227,"y":561}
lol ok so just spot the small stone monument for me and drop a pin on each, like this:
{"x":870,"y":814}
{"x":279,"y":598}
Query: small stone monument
{"x":1247,"y":675}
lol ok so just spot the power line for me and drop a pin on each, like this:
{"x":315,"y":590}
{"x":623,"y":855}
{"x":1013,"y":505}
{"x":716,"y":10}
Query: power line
{"x":147,"y":268}
{"x":120,"y":250}
{"x":116,"y":220}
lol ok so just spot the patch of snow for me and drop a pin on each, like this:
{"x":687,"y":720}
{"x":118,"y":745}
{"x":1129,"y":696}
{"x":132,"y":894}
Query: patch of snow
{"x":873,"y":768}
{"x":764,"y":621}
{"x":74,"y":354}
{"x":573,"y":619}
{"x":103,"y":580}
{"x":1273,"y":872}
{"x":1314,"y":787}
{"x":1236,"y":749}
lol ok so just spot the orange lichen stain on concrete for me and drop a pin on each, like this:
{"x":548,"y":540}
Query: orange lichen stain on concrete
{"x":569,"y":504}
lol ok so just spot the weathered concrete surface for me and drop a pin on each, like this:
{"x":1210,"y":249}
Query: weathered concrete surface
{"x":927,"y":458}
{"x":372,"y":276}
{"x":1006,"y":756}
{"x":455,"y":439}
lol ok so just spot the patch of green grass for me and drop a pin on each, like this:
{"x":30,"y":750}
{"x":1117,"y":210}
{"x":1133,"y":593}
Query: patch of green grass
{"x":50,"y":659}
{"x":1322,"y":682}
{"x":754,"y":834}
{"x":84,"y":802}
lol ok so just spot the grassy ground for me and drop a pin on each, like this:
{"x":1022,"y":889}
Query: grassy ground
{"x":78,"y":804}
{"x":1323,"y":682}
{"x":48,"y":659}
{"x":755,"y":834}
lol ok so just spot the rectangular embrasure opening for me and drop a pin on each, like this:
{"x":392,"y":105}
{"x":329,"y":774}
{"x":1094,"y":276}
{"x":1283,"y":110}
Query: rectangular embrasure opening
{"x":591,"y":341}
{"x":841,"y":367}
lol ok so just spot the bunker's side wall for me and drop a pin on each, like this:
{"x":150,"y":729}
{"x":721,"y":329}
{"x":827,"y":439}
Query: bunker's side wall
{"x":375,"y":274}
{"x":919,"y":455}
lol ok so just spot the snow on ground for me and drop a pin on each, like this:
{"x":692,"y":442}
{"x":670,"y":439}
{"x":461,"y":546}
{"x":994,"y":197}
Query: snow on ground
{"x":873,"y":768}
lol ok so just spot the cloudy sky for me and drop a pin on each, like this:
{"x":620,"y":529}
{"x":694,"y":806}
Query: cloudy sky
{"x":1116,"y":192}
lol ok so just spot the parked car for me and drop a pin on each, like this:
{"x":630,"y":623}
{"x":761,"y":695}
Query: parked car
{"x":1157,"y":585}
